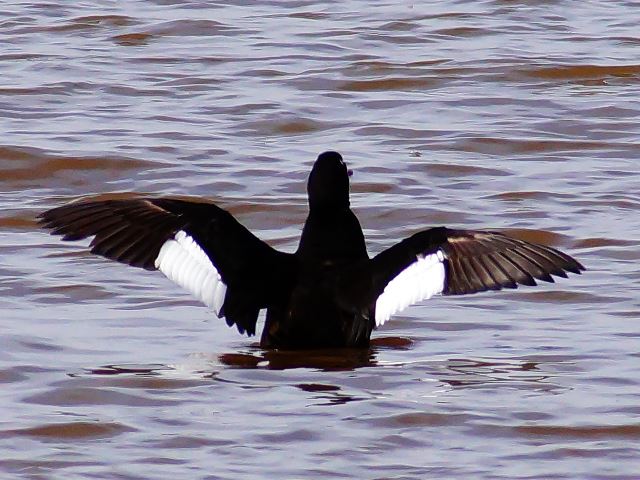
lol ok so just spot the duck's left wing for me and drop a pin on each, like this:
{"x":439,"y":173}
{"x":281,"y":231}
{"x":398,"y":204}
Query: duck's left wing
{"x":198,"y":245}
{"x":458,"y":262}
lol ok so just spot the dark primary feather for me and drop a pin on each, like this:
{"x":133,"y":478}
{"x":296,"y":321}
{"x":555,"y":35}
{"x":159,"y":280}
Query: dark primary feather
{"x":128,"y":231}
{"x":478,"y":261}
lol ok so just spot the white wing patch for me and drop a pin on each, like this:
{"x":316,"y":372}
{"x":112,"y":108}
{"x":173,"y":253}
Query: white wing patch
{"x":423,"y":279}
{"x":183,"y":261}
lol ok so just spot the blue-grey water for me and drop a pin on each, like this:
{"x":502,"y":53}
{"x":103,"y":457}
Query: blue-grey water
{"x":515,"y":115}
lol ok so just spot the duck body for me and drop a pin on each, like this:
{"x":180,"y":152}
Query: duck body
{"x":327,"y":294}
{"x":321,"y":309}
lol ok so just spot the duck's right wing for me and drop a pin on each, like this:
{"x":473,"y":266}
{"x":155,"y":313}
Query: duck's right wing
{"x":200,"y":246}
{"x":458,"y":262}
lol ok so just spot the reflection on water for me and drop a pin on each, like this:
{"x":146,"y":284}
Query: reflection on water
{"x":455,"y":372}
{"x":443,"y":376}
{"x":326,"y":360}
{"x":519,"y":116}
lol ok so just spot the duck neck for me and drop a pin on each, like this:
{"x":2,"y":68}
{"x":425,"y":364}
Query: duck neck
{"x":323,"y":205}
{"x":332,"y":234}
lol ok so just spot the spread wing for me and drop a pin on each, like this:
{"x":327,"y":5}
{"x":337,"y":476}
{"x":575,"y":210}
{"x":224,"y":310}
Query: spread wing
{"x":200,"y":246}
{"x":458,"y":262}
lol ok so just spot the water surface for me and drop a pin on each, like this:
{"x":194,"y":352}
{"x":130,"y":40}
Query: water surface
{"x":512,"y":115}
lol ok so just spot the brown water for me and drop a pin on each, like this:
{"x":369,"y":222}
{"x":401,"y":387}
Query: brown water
{"x":504,"y":114}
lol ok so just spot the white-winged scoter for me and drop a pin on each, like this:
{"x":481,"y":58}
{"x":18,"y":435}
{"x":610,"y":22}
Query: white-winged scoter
{"x":329,"y":293}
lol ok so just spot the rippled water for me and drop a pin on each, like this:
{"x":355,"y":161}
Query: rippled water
{"x":504,"y":114}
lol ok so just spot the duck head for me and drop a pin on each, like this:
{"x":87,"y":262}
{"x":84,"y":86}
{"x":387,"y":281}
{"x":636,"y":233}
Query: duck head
{"x":328,"y":184}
